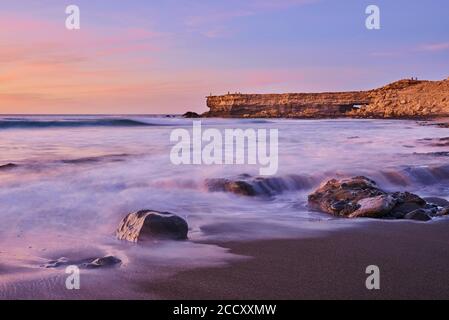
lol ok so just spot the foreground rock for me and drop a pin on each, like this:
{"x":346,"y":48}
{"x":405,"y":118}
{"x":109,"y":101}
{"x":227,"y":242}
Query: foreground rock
{"x":361,"y":197}
{"x":152,"y":225}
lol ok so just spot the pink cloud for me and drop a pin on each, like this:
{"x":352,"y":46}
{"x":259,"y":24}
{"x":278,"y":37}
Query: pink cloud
{"x":435,"y":47}
{"x":44,"y":65}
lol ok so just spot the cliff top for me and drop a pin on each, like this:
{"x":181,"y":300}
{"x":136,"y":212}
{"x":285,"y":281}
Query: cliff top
{"x":397,"y":85}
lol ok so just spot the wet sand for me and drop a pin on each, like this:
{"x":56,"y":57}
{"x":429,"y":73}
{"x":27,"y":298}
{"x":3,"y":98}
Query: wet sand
{"x":413,"y":259}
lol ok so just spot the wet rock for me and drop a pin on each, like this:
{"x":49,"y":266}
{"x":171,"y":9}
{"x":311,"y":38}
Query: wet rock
{"x":376,"y":207}
{"x":152,"y":225}
{"x":443,"y":212}
{"x":341,"y":197}
{"x":238,"y":187}
{"x":437,"y":201}
{"x":441,"y":143}
{"x":8,"y":166}
{"x":247,"y":185}
{"x":56,"y":263}
{"x":191,"y":115}
{"x":104,"y":262}
{"x":432,"y":209}
{"x":361,"y":197}
{"x":433,"y":154}
{"x":418,"y":215}
{"x":89,"y":263}
{"x":406,"y":202}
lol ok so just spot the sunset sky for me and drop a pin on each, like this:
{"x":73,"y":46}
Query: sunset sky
{"x":165,"y":56}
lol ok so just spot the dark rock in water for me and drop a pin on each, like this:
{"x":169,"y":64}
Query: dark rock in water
{"x":191,"y":115}
{"x":361,"y":197}
{"x":151,"y":225}
{"x":56,"y":263}
{"x":341,"y":197}
{"x":90,"y":263}
{"x":239,"y":187}
{"x":108,"y":261}
{"x":441,"y":142}
{"x":375,"y":207}
{"x":8,"y":166}
{"x":419,"y":215}
{"x":437,"y":201}
{"x":406,"y":202}
{"x":247,"y":185}
{"x":434,"y":154}
{"x":443,"y":212}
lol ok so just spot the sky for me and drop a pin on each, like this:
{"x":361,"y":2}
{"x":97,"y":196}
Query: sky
{"x":166,"y":56}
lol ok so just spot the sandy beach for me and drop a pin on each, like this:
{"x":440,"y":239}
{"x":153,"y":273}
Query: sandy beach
{"x":412,"y":257}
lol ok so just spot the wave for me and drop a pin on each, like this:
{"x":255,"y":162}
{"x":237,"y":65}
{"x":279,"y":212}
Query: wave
{"x":412,"y":178}
{"x":96,"y":159}
{"x":71,"y":123}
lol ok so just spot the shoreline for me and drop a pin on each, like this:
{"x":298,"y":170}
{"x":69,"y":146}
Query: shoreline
{"x":412,"y":257}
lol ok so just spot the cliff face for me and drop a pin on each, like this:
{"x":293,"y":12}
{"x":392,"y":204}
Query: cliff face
{"x":405,"y":98}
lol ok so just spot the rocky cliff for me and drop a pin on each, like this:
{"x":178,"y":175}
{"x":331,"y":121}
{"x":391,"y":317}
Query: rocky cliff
{"x":401,"y":99}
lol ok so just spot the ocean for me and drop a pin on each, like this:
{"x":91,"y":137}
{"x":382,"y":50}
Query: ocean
{"x":67,"y":181}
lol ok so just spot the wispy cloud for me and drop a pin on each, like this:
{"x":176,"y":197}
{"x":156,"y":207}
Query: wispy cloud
{"x":435,"y":47}
{"x":213,"y":21}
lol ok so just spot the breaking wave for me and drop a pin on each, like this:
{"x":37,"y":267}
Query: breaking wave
{"x":72,"y":123}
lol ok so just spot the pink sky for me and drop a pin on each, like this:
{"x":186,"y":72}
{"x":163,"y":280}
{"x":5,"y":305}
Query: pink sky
{"x":142,"y":58}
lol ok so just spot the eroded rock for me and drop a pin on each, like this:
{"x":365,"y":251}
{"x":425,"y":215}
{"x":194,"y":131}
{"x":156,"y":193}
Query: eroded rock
{"x":437,"y":201}
{"x":374,"y":207}
{"x":152,"y":225}
{"x":341,"y":197}
{"x":361,"y":197}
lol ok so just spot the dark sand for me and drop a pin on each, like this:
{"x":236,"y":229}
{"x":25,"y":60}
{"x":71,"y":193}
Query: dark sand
{"x":413,"y":259}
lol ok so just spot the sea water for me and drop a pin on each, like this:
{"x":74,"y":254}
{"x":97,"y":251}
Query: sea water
{"x":76,"y":177}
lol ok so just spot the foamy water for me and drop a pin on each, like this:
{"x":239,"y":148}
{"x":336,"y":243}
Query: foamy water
{"x":77,"y":177}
